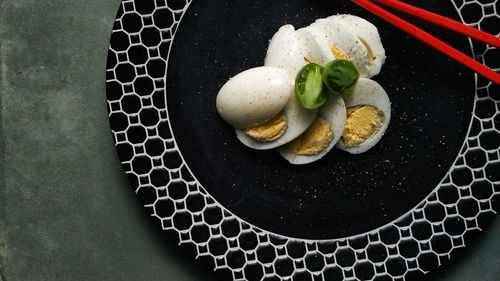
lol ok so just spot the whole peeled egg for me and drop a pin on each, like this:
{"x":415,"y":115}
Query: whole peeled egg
{"x":254,"y":96}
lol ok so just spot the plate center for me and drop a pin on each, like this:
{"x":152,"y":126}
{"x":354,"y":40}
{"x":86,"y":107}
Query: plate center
{"x":342,"y":194}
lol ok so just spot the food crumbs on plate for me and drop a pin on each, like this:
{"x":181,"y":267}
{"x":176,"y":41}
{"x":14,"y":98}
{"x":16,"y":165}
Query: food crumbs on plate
{"x":314,"y":140}
{"x":363,"y":121}
{"x":269,"y":131}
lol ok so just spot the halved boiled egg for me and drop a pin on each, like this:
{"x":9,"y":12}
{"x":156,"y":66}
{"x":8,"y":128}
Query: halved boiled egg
{"x":321,"y":136}
{"x":286,"y":126}
{"x":317,"y":51}
{"x":337,"y":37}
{"x":370,"y":37}
{"x":286,"y":50}
{"x":291,"y":50}
{"x":368,"y":116}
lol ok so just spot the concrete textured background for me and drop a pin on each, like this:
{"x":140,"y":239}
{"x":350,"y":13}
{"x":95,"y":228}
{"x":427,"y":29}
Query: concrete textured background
{"x":66,"y":210}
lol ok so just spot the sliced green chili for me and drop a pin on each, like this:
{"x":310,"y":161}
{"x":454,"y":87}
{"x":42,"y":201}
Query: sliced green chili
{"x":309,"y":86}
{"x":339,"y":76}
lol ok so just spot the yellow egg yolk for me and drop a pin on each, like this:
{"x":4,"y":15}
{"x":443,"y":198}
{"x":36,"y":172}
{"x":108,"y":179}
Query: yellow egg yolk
{"x":314,"y":140}
{"x":369,"y":52}
{"x":269,"y":131}
{"x":363,"y":121}
{"x":339,"y":53}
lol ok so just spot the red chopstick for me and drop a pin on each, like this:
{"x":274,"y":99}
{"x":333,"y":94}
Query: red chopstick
{"x":443,"y":22}
{"x":430,"y":40}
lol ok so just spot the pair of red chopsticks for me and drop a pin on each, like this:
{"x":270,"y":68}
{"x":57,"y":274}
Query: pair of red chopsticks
{"x":431,"y":40}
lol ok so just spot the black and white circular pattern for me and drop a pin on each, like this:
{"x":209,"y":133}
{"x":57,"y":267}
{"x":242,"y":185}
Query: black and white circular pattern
{"x":466,"y":200}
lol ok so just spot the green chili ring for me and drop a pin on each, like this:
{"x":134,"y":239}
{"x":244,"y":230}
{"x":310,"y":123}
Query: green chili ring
{"x":309,"y":86}
{"x":339,"y":76}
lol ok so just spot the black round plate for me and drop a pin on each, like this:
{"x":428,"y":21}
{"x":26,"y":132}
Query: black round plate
{"x":395,"y":212}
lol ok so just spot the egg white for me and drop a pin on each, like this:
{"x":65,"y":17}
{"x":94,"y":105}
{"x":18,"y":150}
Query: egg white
{"x":334,"y":112}
{"x":298,"y":120}
{"x":317,"y":49}
{"x":329,"y":32}
{"x":368,"y":92}
{"x":254,"y":96}
{"x":286,"y":50}
{"x":368,"y":33}
{"x":289,"y":49}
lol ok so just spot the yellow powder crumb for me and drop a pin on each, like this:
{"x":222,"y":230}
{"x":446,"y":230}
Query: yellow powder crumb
{"x":269,"y":131}
{"x":363,"y":121}
{"x":369,"y":52}
{"x":314,"y":140}
{"x":339,"y":53}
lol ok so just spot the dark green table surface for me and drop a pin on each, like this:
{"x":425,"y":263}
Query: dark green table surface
{"x":66,"y":210}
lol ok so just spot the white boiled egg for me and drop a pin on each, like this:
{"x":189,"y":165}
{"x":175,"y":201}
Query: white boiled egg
{"x":291,"y":50}
{"x":317,"y":51}
{"x":334,"y":35}
{"x":334,"y":113}
{"x":368,"y":94}
{"x":286,"y":50}
{"x":298,"y":119}
{"x":370,"y":37}
{"x":254,"y":96}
